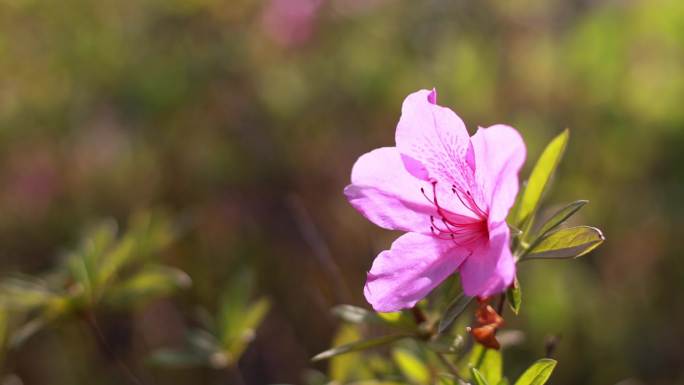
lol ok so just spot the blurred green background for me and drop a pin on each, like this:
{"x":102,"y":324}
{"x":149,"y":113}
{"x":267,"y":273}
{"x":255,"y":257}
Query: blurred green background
{"x":241,"y":120}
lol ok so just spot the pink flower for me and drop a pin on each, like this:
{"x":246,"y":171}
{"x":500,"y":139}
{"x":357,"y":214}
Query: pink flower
{"x":450,"y":192}
{"x":290,"y":22}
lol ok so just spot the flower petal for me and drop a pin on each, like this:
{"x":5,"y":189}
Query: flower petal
{"x":499,"y":153}
{"x":407,"y":272}
{"x":490,"y":269}
{"x":434,"y":137}
{"x":385,"y":193}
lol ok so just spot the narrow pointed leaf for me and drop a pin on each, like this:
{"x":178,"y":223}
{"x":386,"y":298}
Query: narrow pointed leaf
{"x":150,"y":282}
{"x":179,"y":358}
{"x":455,"y":308}
{"x":538,"y":373}
{"x":572,"y":242}
{"x":488,"y":362}
{"x":358,"y":345}
{"x":411,"y":367}
{"x":539,"y":179}
{"x":514,"y":296}
{"x":358,"y":315}
{"x":477,"y":377}
{"x":561,"y":216}
{"x":504,"y":381}
{"x":491,"y":365}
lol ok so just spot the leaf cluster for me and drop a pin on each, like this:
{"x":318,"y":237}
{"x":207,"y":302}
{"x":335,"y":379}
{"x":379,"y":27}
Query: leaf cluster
{"x":106,"y":270}
{"x":224,"y":337}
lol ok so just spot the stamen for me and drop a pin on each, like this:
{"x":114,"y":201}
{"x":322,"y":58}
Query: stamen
{"x":467,"y":229}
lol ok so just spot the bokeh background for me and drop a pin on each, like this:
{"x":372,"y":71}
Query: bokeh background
{"x":241,"y":120}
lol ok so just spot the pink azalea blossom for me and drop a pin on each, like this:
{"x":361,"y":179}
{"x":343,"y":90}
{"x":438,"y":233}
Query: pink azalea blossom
{"x":450,"y":192}
{"x":290,"y":22}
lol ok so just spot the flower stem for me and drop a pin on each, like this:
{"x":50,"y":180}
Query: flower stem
{"x":450,"y":365}
{"x":128,"y":372}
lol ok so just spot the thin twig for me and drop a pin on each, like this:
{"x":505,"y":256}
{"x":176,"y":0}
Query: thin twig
{"x":318,"y":245}
{"x":453,"y":369}
{"x":92,"y":322}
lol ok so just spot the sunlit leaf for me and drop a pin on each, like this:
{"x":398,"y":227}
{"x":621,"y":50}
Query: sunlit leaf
{"x":538,"y":373}
{"x":25,"y":293}
{"x":233,"y":304}
{"x":539,"y":179}
{"x":399,"y":320}
{"x":152,"y":281}
{"x":514,"y":296}
{"x":561,"y":216}
{"x":348,"y":367}
{"x":487,"y":361}
{"x":572,"y":242}
{"x":453,"y":310}
{"x":358,"y":345}
{"x":115,"y":260}
{"x":477,"y":377}
{"x":252,"y":317}
{"x":411,"y":367}
{"x":491,"y":366}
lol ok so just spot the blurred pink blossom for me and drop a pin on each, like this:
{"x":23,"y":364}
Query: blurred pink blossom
{"x":450,"y":192}
{"x":290,"y":22}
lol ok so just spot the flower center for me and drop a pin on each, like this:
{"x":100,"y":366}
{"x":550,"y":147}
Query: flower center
{"x":460,"y":229}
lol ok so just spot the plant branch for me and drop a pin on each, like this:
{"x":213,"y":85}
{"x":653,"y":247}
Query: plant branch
{"x":94,"y":326}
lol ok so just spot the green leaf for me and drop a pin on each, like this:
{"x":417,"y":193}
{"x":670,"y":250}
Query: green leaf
{"x":561,"y":216}
{"x":233,"y":304}
{"x":358,"y":315}
{"x":236,"y":339}
{"x":491,"y":366}
{"x":349,"y":367}
{"x":488,"y":361}
{"x":411,"y":367}
{"x":514,"y":296}
{"x":25,"y":293}
{"x":455,"y":308}
{"x":179,"y":358}
{"x":358,"y":345}
{"x":477,"y":377}
{"x":115,"y":260}
{"x":538,"y":373}
{"x":572,"y":242}
{"x":27,"y":330}
{"x":152,"y":281}
{"x":504,"y":381}
{"x":539,"y":179}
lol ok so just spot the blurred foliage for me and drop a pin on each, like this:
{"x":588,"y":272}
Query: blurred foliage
{"x":193,"y":106}
{"x":226,"y":336}
{"x":106,"y":270}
